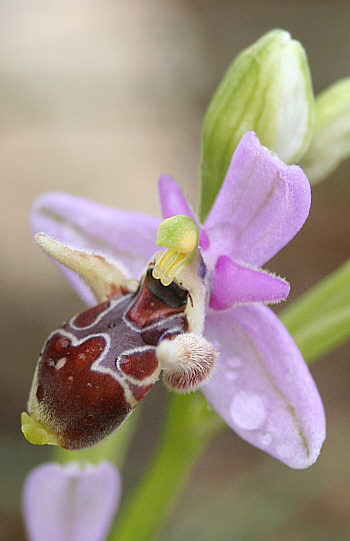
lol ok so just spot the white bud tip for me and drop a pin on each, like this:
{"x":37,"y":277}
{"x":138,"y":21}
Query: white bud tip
{"x":188,"y":362}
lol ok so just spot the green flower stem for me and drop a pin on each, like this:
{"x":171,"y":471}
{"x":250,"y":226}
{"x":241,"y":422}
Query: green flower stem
{"x":188,"y":428}
{"x":320,"y":320}
{"x":324,"y":335}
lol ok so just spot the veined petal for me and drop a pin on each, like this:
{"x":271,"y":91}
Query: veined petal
{"x":262,"y":204}
{"x":262,"y":387}
{"x":231,"y":283}
{"x":103,"y":279}
{"x":173,"y":202}
{"x":70,"y":503}
{"x":126,"y":236}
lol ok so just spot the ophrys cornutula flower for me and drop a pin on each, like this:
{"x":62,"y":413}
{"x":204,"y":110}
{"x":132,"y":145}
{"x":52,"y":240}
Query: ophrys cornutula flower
{"x":261,"y":386}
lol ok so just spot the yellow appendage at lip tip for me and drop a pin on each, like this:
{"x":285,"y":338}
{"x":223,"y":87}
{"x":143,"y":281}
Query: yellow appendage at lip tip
{"x":36,"y":432}
{"x":180,"y":235}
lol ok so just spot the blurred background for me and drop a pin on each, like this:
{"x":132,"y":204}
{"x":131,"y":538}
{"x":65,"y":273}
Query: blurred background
{"x":98,"y":98}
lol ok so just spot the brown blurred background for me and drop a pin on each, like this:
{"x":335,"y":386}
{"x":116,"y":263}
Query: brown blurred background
{"x":98,"y":98}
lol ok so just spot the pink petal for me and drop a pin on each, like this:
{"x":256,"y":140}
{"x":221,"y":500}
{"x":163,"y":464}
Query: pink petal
{"x":231,"y":284}
{"x":125,"y":236}
{"x":70,"y":503}
{"x":262,"y":387}
{"x":173,"y":202}
{"x":262,"y":204}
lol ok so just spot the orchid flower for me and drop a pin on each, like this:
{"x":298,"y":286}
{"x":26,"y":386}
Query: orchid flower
{"x":70,"y":502}
{"x":261,"y":386}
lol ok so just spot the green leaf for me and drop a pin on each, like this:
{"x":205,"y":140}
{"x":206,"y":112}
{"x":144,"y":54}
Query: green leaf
{"x":188,"y":427}
{"x":320,"y":320}
{"x":268,"y":501}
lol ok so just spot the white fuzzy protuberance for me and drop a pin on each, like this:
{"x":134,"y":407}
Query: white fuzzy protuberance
{"x":187,"y":361}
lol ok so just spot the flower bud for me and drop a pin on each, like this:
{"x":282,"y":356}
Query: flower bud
{"x":267,"y":89}
{"x":330,"y":143}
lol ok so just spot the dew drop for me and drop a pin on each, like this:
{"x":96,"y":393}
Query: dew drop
{"x":285,"y":451}
{"x":216,"y":344}
{"x":266,"y":438}
{"x":234,"y":362}
{"x":248,"y":410}
{"x":231,"y":375}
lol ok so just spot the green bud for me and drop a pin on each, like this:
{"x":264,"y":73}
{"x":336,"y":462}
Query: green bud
{"x":267,"y":89}
{"x":319,"y":320}
{"x":330,"y":143}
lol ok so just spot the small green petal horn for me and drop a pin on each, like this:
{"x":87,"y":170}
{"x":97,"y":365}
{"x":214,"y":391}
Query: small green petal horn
{"x":36,"y":432}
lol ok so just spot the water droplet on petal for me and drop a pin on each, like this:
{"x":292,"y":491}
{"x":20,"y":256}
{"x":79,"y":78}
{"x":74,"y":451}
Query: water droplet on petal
{"x":266,"y":438}
{"x":285,"y":450}
{"x":234,"y":362}
{"x":248,"y":410}
{"x":216,"y":344}
{"x":231,"y":375}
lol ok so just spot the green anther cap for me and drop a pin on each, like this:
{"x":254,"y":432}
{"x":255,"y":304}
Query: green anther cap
{"x":180,"y":235}
{"x":36,"y":432}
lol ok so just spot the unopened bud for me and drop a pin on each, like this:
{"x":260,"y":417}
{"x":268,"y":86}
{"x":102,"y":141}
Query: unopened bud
{"x":330,"y":143}
{"x":268,"y":90}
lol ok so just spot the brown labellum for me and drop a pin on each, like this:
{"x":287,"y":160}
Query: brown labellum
{"x":95,"y":370}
